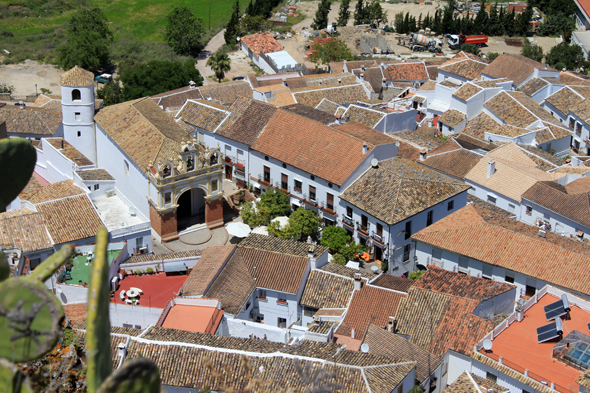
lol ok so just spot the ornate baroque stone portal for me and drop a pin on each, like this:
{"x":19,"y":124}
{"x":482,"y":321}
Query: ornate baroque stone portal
{"x":191,"y":167}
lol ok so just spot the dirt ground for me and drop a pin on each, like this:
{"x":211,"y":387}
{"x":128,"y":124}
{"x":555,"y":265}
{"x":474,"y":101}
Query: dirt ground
{"x":25,"y":75}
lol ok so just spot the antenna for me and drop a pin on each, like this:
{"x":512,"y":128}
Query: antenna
{"x":374,"y":163}
{"x":487,"y":344}
{"x":365,"y":348}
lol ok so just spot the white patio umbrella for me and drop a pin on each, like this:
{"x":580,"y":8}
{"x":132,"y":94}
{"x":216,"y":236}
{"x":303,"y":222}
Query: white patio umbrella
{"x":261,"y":230}
{"x":238,"y":229}
{"x":283,"y":221}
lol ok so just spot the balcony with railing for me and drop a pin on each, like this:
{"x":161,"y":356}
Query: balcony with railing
{"x":328,"y":208}
{"x":362,"y":229}
{"x":377,"y":238}
{"x":265,"y":179}
{"x":348,"y":222}
{"x":310,"y":201}
{"x":283,"y":186}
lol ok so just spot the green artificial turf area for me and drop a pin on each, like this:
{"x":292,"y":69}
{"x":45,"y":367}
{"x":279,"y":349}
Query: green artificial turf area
{"x":80,"y":272}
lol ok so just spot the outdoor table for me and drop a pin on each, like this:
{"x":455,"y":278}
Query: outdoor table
{"x":132,"y":293}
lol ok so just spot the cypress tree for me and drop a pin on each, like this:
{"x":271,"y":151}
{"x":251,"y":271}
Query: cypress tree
{"x":407,"y":23}
{"x":500,"y":25}
{"x":481,"y":20}
{"x":231,"y":31}
{"x":321,"y":16}
{"x":419,"y":24}
{"x":250,"y":9}
{"x":344,"y":13}
{"x":359,"y":13}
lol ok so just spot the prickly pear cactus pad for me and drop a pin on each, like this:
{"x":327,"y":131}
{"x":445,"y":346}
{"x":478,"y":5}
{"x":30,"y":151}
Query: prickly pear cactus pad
{"x":137,"y":375}
{"x":4,"y":267}
{"x":12,"y":379}
{"x":17,"y":162}
{"x":30,"y":317}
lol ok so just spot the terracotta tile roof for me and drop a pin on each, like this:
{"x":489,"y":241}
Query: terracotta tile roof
{"x":313,"y":148}
{"x":30,"y":120}
{"x":509,"y":111}
{"x":247,"y":120}
{"x":201,"y":115}
{"x":261,"y":43}
{"x":340,"y":94}
{"x":469,"y":142}
{"x":564,"y":100}
{"x":328,"y":80}
{"x":574,"y":206}
{"x":462,"y":55}
{"x":513,"y":67}
{"x":393,"y":282}
{"x":573,"y":78}
{"x":32,"y":187}
{"x":70,"y":219}
{"x":327,"y":106}
{"x":423,"y":139}
{"x":471,"y":383}
{"x":366,"y":116}
{"x":530,"y":104}
{"x":374,"y":76}
{"x":364,"y":133}
{"x":69,"y":151}
{"x":533,"y":85}
{"x":467,"y":91}
{"x":456,"y":163}
{"x":203,"y":319}
{"x":226,"y":93}
{"x":320,"y":116}
{"x":469,"y":69}
{"x":24,"y":229}
{"x":406,"y":150}
{"x":61,"y":189}
{"x":550,"y":133}
{"x":115,"y":341}
{"x":326,"y":290}
{"x":512,"y":245}
{"x":142,"y":130}
{"x":340,"y":111}
{"x":95,"y":174}
{"x":76,"y":77}
{"x":544,"y":160}
{"x":76,"y":313}
{"x":432,"y":72}
{"x":428,"y":86}
{"x":177,"y":97}
{"x":281,"y":97}
{"x":443,"y":281}
{"x":163,"y":257}
{"x":382,"y":342}
{"x":345,"y":271}
{"x":479,"y":125}
{"x":369,"y":305}
{"x":439,"y":322}
{"x":320,"y":327}
{"x":584,"y":91}
{"x":582,"y":110}
{"x":584,"y":379}
{"x":399,"y":189}
{"x":206,"y":270}
{"x":407,"y":72}
{"x":488,"y":84}
{"x":514,"y":172}
{"x":280,"y":246}
{"x":452,"y":118}
{"x":331,"y":312}
{"x":450,"y":83}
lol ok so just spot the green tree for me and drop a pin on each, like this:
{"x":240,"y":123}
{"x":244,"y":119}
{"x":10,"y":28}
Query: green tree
{"x":344,"y":13}
{"x":184,"y":31}
{"x":416,"y":274}
{"x":398,"y":22}
{"x":233,"y":26}
{"x":437,"y":22}
{"x":329,"y":51}
{"x":499,"y":30}
{"x":492,"y":28}
{"x":155,"y":77}
{"x":481,"y":19}
{"x":111,"y":93}
{"x":359,"y":13}
{"x":321,"y":16}
{"x":351,"y":250}
{"x":375,"y":15}
{"x":89,"y":41}
{"x":523,"y":26}
{"x":334,"y":238}
{"x":556,"y":24}
{"x":252,"y":24}
{"x":338,"y":259}
{"x":303,"y":223}
{"x":470,"y":48}
{"x":531,"y":51}
{"x":277,"y":203}
{"x":492,"y":56}
{"x":447,"y":26}
{"x":509,"y":23}
{"x":219,"y":63}
{"x":567,"y":56}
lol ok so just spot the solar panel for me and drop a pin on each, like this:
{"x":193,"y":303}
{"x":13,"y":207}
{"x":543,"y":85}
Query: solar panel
{"x":589,"y":327}
{"x":549,"y":331}
{"x":557,"y":309}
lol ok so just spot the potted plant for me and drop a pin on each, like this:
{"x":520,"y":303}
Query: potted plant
{"x":138,"y":272}
{"x":149,"y":270}
{"x":238,"y":197}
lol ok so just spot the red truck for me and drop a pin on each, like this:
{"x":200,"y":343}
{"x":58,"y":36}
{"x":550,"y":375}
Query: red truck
{"x":455,"y":41}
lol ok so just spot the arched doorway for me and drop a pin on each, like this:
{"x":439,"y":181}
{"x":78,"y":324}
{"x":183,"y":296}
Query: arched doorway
{"x":191,"y":208}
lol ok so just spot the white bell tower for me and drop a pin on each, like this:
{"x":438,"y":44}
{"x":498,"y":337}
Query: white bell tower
{"x":77,"y":106}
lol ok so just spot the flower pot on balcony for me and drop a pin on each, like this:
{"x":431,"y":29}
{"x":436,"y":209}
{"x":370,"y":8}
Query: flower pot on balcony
{"x":238,"y":198}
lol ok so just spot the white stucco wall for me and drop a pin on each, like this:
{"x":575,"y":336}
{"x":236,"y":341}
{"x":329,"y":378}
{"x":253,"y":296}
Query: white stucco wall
{"x":502,"y":201}
{"x":134,"y":315}
{"x":82,"y":123}
{"x":559,"y":224}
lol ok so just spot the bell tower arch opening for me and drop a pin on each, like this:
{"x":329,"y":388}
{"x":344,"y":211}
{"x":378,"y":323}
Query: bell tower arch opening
{"x":191,"y":208}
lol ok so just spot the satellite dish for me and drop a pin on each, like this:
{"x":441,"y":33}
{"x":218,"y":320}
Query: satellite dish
{"x":374,"y":163}
{"x":487,"y":344}
{"x":365,"y":348}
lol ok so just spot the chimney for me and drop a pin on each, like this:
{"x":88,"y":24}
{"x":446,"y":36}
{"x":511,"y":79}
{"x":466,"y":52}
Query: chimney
{"x":191,"y":84}
{"x":357,"y":281}
{"x":362,"y":76}
{"x":491,"y":168}
{"x":340,"y":80}
{"x":390,"y":325}
{"x":384,"y":82}
{"x":311,"y":256}
{"x":122,"y":353}
{"x":423,"y":154}
{"x":365,"y":148}
{"x":430,"y":123}
{"x":363,"y":68}
{"x":352,"y":333}
{"x":284,"y":81}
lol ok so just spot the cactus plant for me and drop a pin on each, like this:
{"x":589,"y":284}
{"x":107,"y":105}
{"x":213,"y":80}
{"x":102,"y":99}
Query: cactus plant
{"x":4,"y":268}
{"x":12,"y":379}
{"x":138,"y":375}
{"x":17,"y":160}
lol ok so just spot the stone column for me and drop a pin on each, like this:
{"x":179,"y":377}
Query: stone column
{"x":214,"y":213}
{"x":165,"y":224}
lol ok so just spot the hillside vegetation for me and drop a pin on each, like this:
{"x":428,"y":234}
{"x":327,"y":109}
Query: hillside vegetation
{"x":33,"y":29}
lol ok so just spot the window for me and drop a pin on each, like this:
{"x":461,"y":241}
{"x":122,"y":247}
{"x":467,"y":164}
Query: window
{"x":487,"y":271}
{"x":311,"y":193}
{"x":529,"y":210}
{"x":89,"y":188}
{"x":167,"y":198}
{"x":298,"y":185}
{"x":379,"y":230}
{"x":330,"y":201}
{"x":530,"y":290}
{"x":407,"y":248}
{"x":282,"y":299}
{"x":576,"y":144}
{"x":201,"y":138}
{"x":572,"y":122}
{"x":281,"y":322}
{"x":139,"y":242}
{"x":284,"y":182}
{"x":349,"y":211}
{"x":261,"y":294}
{"x":248,"y":305}
{"x":77,"y":116}
{"x":463,"y":265}
{"x":429,"y":218}
{"x":365,"y":222}
{"x":79,"y":134}
{"x":127,"y":325}
{"x":450,"y":205}
{"x":509,"y":277}
{"x":491,"y":199}
{"x":76,"y":96}
{"x":408,"y":230}
{"x":578,"y":128}
{"x":445,"y":369}
{"x":491,"y":377}
{"x":96,"y":187}
{"x":267,"y":174}
{"x":511,"y":208}
{"x":309,"y":311}
{"x":126,"y":166}
{"x":214,"y":185}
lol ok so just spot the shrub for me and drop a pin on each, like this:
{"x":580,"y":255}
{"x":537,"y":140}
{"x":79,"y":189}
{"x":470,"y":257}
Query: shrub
{"x":339,"y":259}
{"x":45,"y":91}
{"x":6,"y":88}
{"x":416,"y":274}
{"x":149,"y":270}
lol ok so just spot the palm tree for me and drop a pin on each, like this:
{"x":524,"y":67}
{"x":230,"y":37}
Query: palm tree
{"x":219,"y":63}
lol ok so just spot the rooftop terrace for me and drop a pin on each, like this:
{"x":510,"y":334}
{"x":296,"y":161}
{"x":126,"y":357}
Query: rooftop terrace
{"x":115,"y":213}
{"x":156,"y":289}
{"x":79,"y":272}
